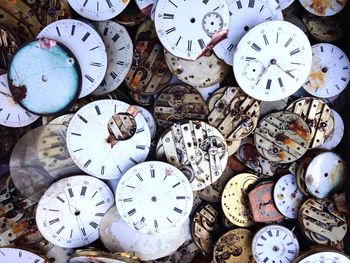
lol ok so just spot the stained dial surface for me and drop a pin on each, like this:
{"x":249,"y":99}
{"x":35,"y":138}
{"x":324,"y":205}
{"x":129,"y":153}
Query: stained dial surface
{"x":154,"y":197}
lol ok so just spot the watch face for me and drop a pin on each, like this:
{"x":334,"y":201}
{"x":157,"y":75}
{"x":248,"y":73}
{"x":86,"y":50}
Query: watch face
{"x":119,"y":51}
{"x":87,"y":46}
{"x":113,"y":128}
{"x":116,"y":235}
{"x":70,"y":211}
{"x":17,"y":255}
{"x":151,"y":122}
{"x":287,"y":197}
{"x":44,"y":63}
{"x":98,"y":10}
{"x":275,"y":243}
{"x":160,"y":187}
{"x":326,"y":257}
{"x":284,"y":3}
{"x":323,"y":8}
{"x":335,"y":138}
{"x":186,"y":34}
{"x":330,"y":71}
{"x":244,"y":15}
{"x":12,"y":114}
{"x":262,"y":74}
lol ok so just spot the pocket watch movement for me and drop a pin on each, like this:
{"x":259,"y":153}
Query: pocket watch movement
{"x":42,"y":63}
{"x":319,"y":117}
{"x":162,"y":188}
{"x":234,"y":247}
{"x":330,"y":71}
{"x":233,"y":113}
{"x":276,"y":244}
{"x":9,"y":43}
{"x":203,"y":72}
{"x":197,"y":149}
{"x":179,"y":102}
{"x":287,"y":197}
{"x":86,"y":45}
{"x":321,"y":222}
{"x":119,"y":52}
{"x":70,"y":211}
{"x":282,"y":137}
{"x":193,"y":32}
{"x":265,"y":76}
{"x":116,"y":130}
{"x":234,"y":200}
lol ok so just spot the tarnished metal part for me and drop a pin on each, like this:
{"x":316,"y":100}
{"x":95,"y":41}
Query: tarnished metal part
{"x":318,"y":115}
{"x":52,"y":252}
{"x":325,"y":29}
{"x":212,"y":193}
{"x":234,"y":247}
{"x":121,"y":126}
{"x":261,"y":203}
{"x":130,"y":16}
{"x":179,"y":102}
{"x":321,"y":222}
{"x":203,"y":72}
{"x":146,"y":32}
{"x":143,"y":100}
{"x":149,"y":73}
{"x":197,"y":149}
{"x":205,"y":228}
{"x":250,"y":157}
{"x":9,"y":43}
{"x":7,"y":141}
{"x":94,"y":255}
{"x":235,"y":199}
{"x":233,"y":113}
{"x":282,"y":137}
{"x":300,"y":171}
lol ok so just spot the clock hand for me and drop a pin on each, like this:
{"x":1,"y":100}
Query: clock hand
{"x":288,"y":72}
{"x":262,"y":74}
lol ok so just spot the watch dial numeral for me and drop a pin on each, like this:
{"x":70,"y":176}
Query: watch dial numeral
{"x":116,"y":37}
{"x":341,"y":57}
{"x":70,"y":192}
{"x":261,"y":9}
{"x":75,"y":134}
{"x":59,"y":198}
{"x":153,"y":174}
{"x":205,"y":2}
{"x":73,"y":30}
{"x":95,"y":64}
{"x":230,"y":47}
{"x":176,"y":184}
{"x":82,"y":118}
{"x":280,"y":82}
{"x":180,"y":197}
{"x":201,"y":43}
{"x":127,"y":200}
{"x":131,"y":212}
{"x":168,"y":16}
{"x":93,"y":224}
{"x":83,"y":231}
{"x":83,"y":191}
{"x":140,"y":130}
{"x":178,"y":41}
{"x":239,"y":4}
{"x":171,"y":2}
{"x":155,"y":223}
{"x":85,"y":3}
{"x":277,"y":36}
{"x":266,"y":40}
{"x":139,"y":177}
{"x":322,"y":49}
{"x":86,"y":165}
{"x":102,"y":170}
{"x":132,"y":160}
{"x":251,"y":3}
{"x":295,"y":51}
{"x":100,"y":214}
{"x":141,"y":147}
{"x":89,"y":78}
{"x":169,"y":220}
{"x":60,"y":230}
{"x":268,"y":84}
{"x":177,"y":210}
{"x":53,"y":221}
{"x":189,"y":45}
{"x":113,"y":75}
{"x":288,"y":42}
{"x":85,"y":37}
{"x":120,"y":63}
{"x":105,"y":31}
{"x":100,"y":203}
{"x":98,"y":111}
{"x":255,"y":47}
{"x":344,"y":79}
{"x":58,"y":31}
{"x":20,"y":254}
{"x":168,"y":31}
{"x":110,"y":5}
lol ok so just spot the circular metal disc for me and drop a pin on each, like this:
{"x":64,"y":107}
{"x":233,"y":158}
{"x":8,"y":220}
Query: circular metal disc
{"x":323,"y":8}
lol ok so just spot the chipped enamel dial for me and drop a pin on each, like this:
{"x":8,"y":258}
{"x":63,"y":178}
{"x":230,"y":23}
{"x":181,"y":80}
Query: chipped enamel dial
{"x":119,"y":49}
{"x":330,"y":71}
{"x":234,"y":199}
{"x":233,"y":113}
{"x":323,"y":8}
{"x":275,"y":243}
{"x":187,"y":34}
{"x":287,"y":197}
{"x":151,"y":121}
{"x":234,"y":246}
{"x":116,"y":129}
{"x":197,"y":149}
{"x":162,"y":188}
{"x":265,"y":76}
{"x":319,"y":117}
{"x":321,"y":222}
{"x":206,"y":71}
{"x":282,"y":137}
{"x":12,"y":114}
{"x":337,"y":135}
{"x":179,"y":102}
{"x":70,"y":211}
{"x":87,"y":46}
{"x":98,"y":10}
{"x":244,"y":15}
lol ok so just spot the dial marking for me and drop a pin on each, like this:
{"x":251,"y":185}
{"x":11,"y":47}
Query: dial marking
{"x":53,"y":221}
{"x":321,"y":47}
{"x":73,"y":30}
{"x":280,"y":82}
{"x":341,"y":57}
{"x":132,"y":160}
{"x":85,"y":37}
{"x":295,"y":51}
{"x":58,"y":31}
{"x":177,"y":210}
{"x":155,"y":223}
{"x":205,"y":2}
{"x":110,"y":5}
{"x":201,"y":43}
{"x":95,"y":64}
{"x":98,"y":111}
{"x":133,"y":187}
{"x":344,"y":79}
{"x":132,"y":211}
{"x":259,"y":245}
{"x":266,"y":40}
{"x":249,"y":58}
{"x":59,"y":198}
{"x":169,"y":220}
{"x":20,"y":254}
{"x":121,"y":63}
{"x":261,"y":9}
{"x":277,"y":36}
{"x":83,"y":231}
{"x":180,"y":197}
{"x":140,"y":130}
{"x":251,"y":3}
{"x":176,"y":184}
{"x":269,"y":233}
{"x":291,"y":252}
{"x":290,"y":74}
{"x":86,"y":165}
{"x":82,"y":118}
{"x":78,"y":150}
{"x":105,"y":31}
{"x":76,"y":134}
{"x":71,"y":233}
{"x":88,"y":77}
{"x":230,"y":47}
{"x":263,"y":238}
{"x":239,"y":4}
{"x":85,"y":3}
{"x":153,"y":174}
{"x":288,"y":42}
{"x":70,"y":191}
{"x":141,"y":147}
{"x":139,"y":176}
{"x":178,"y":40}
{"x":115,"y":37}
{"x":102,"y":170}
{"x":60,"y":230}
{"x":168,"y":31}
{"x":100,"y":214}
{"x":83,"y":191}
{"x":94,"y":48}
{"x":113,"y":75}
{"x":168,"y":16}
{"x":127,"y":200}
{"x":100,"y":203}
{"x":119,"y":169}
{"x":189,"y":45}
{"x":172,"y":3}
{"x":93,"y":224}
{"x":255,"y":47}
{"x":268,"y":84}
{"x":266,"y":259}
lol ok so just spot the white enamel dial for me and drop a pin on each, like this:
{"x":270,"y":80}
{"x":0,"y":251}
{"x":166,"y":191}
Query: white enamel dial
{"x":16,"y":255}
{"x":330,"y":71}
{"x":151,"y":122}
{"x":11,"y":113}
{"x":154,"y":197}
{"x":275,"y":243}
{"x":244,"y":15}
{"x":86,"y":45}
{"x":325,"y":257}
{"x":284,"y":3}
{"x":337,"y":135}
{"x":185,"y":28}
{"x":285,"y":53}
{"x":119,"y":51}
{"x":323,"y":8}
{"x":105,"y":138}
{"x":70,"y":211}
{"x":98,"y":10}
{"x":287,"y":197}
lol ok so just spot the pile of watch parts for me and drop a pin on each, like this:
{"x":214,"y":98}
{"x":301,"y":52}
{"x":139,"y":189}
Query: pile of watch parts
{"x":173,"y":131}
